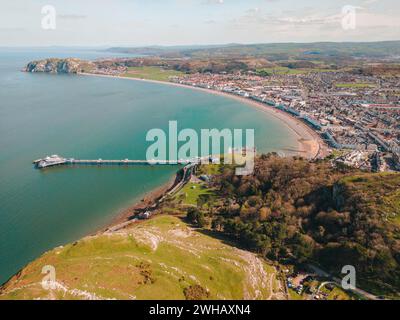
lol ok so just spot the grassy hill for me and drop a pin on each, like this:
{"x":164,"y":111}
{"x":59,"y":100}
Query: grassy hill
{"x":290,"y":211}
{"x":161,"y":258}
{"x":276,"y":50}
{"x":380,"y":193}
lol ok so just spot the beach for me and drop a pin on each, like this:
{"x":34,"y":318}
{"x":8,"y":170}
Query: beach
{"x":310,"y":144}
{"x":86,"y":117}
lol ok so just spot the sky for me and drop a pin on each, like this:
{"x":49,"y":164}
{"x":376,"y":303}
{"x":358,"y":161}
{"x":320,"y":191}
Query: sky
{"x":195,"y":22}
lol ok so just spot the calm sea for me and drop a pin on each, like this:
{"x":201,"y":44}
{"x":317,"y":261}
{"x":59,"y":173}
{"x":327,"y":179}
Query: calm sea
{"x":89,"y":117}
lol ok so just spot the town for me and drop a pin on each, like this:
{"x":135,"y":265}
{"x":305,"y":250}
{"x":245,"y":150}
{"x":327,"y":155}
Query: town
{"x":357,"y":115}
{"x":355,"y":110}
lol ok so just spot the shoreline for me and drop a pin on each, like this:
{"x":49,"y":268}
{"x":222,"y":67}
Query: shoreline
{"x":310,"y":144}
{"x":304,"y":134}
{"x":124,"y":216}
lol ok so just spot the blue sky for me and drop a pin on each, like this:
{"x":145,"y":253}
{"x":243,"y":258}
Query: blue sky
{"x":185,"y":22}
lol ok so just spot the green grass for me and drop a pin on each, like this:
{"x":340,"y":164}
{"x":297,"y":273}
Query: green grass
{"x":335,"y":153}
{"x":385,"y":200}
{"x":151,"y":73}
{"x":281,"y":71}
{"x":289,"y":71}
{"x":156,"y":259}
{"x":339,"y":294}
{"x":191,"y":192}
{"x":293,"y":295}
{"x":335,"y":294}
{"x":355,"y":85}
{"x":210,"y":169}
{"x":317,"y":70}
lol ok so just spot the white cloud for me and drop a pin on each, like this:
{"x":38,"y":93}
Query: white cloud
{"x":317,"y":26}
{"x":71,"y":16}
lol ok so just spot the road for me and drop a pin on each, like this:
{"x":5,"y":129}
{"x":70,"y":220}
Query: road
{"x":338,"y":282}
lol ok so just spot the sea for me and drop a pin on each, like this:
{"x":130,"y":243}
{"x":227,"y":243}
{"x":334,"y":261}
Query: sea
{"x":87,"y":117}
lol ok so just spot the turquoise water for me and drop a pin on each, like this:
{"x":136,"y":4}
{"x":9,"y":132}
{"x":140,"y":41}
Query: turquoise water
{"x":89,"y":117}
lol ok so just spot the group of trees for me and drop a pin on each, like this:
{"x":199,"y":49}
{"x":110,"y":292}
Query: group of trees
{"x":293,"y":209}
{"x":196,"y":217}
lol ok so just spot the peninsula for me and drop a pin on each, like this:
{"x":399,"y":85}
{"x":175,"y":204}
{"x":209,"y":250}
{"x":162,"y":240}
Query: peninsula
{"x":310,"y":142}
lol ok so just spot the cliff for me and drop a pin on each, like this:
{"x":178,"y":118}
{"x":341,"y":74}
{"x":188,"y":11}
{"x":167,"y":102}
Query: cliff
{"x":53,"y":65}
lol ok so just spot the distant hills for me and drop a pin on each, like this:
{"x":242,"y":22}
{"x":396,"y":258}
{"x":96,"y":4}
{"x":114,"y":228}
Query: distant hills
{"x":368,"y":58}
{"x":274,"y":51}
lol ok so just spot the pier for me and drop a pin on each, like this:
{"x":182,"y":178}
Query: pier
{"x":55,"y":160}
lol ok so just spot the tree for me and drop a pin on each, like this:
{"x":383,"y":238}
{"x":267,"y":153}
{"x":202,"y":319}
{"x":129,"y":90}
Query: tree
{"x":264,"y":213}
{"x":192,"y":215}
{"x":201,"y":220}
{"x":302,"y":247}
{"x":196,"y":217}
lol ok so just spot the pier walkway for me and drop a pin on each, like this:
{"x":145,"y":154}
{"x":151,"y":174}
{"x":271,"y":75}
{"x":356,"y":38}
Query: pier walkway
{"x":56,"y":160}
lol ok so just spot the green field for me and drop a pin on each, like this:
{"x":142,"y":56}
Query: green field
{"x":280,"y":71}
{"x":210,"y":169}
{"x":161,"y":258}
{"x":289,"y":71}
{"x":355,"y":85}
{"x":191,"y":192}
{"x":293,"y":295}
{"x":151,"y":73}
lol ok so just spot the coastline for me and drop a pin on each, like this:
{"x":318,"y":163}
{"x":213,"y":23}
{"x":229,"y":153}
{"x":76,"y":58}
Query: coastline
{"x":309,"y":140}
{"x":310,"y":144}
{"x":148,"y":199}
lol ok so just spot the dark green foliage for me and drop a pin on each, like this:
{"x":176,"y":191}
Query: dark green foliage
{"x":196,"y":217}
{"x":306,"y":212}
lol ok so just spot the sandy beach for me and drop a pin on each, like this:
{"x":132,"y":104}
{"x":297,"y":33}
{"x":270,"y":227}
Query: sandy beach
{"x":310,"y":144}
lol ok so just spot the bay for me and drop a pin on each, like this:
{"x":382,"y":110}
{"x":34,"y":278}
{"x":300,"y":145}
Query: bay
{"x":91,"y":118}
